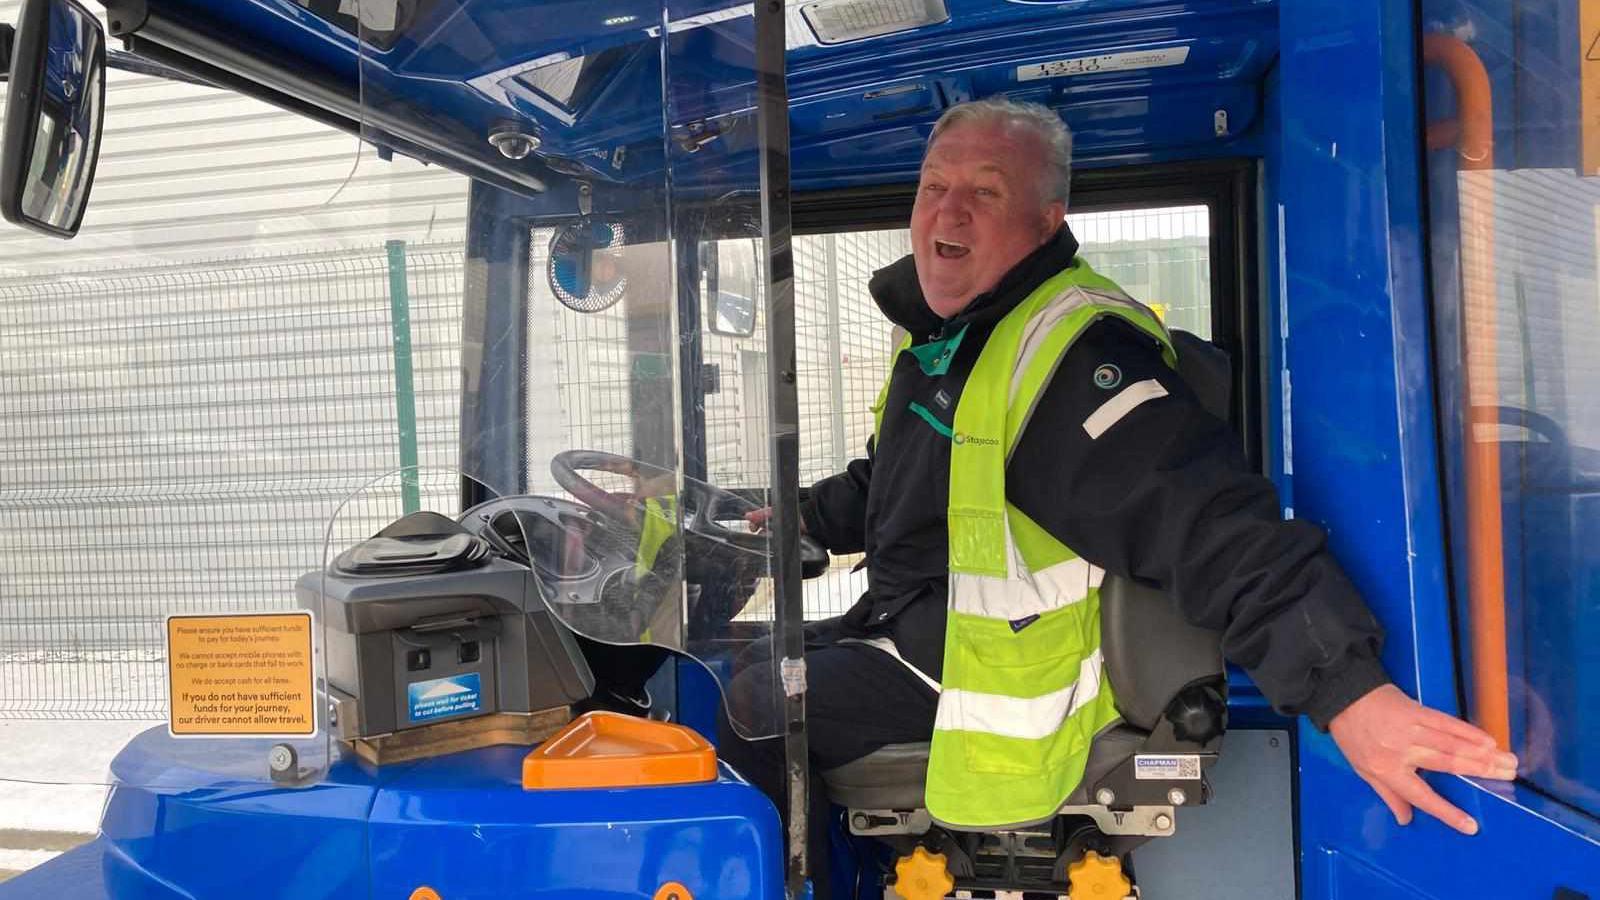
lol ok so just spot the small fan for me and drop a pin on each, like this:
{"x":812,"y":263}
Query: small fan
{"x":585,"y":265}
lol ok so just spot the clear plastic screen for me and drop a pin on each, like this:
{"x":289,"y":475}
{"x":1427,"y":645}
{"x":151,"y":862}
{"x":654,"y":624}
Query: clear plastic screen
{"x":614,"y":352}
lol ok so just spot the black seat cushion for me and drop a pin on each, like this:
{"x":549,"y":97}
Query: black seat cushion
{"x":893,"y":777}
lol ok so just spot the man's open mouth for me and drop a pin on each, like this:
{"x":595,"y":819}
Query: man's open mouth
{"x":950,"y":249}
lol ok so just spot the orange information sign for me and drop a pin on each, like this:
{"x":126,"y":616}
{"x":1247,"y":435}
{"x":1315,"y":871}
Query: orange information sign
{"x":240,"y":675}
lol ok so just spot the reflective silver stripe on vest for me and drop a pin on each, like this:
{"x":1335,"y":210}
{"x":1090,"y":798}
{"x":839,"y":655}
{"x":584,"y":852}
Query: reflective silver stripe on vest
{"x":1040,"y":326}
{"x":1031,"y":718}
{"x":1026,"y":594}
{"x":1126,"y":401}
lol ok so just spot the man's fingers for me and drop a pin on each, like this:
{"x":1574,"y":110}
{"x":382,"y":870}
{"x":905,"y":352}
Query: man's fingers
{"x":1457,"y":764}
{"x":1400,"y":808}
{"x":1447,"y":753}
{"x":1416,"y":791}
{"x":1453,"y":726}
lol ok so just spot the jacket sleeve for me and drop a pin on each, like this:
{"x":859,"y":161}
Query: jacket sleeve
{"x":835,"y":510}
{"x":1162,"y":494}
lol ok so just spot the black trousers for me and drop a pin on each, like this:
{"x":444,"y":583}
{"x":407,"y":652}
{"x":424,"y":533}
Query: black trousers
{"x":858,"y":699}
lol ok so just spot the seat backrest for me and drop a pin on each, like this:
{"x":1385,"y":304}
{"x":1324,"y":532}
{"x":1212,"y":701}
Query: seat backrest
{"x":1151,"y":651}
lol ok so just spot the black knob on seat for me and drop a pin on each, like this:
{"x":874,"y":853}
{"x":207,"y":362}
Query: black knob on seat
{"x":1199,"y":713}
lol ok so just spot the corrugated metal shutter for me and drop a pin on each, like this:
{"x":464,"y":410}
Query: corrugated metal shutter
{"x":189,"y":388}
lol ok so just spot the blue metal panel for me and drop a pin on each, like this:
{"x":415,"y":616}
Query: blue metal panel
{"x":462,"y":825}
{"x":1527,"y":846}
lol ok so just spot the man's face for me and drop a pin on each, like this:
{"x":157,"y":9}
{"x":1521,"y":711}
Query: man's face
{"x":979,"y":211}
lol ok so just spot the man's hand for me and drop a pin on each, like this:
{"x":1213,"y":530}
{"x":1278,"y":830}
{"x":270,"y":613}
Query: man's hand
{"x":758,"y":519}
{"x":1388,"y":736}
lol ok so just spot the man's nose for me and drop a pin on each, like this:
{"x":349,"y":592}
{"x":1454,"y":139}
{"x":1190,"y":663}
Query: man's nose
{"x":955,"y":207}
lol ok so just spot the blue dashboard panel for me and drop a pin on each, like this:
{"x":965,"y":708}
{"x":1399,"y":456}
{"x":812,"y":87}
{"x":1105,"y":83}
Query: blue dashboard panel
{"x":176,"y":826}
{"x":463,"y":825}
{"x":177,"y":820}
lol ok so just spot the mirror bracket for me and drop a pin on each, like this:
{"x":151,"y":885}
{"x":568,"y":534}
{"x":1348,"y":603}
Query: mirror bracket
{"x":126,"y":16}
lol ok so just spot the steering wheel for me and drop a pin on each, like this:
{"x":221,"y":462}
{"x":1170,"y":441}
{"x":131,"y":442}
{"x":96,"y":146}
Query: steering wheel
{"x":702,"y":500}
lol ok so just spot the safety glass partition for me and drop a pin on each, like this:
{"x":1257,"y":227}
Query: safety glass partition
{"x":614,"y":158}
{"x":1514,"y":207}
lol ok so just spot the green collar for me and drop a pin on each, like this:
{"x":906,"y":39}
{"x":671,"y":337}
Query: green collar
{"x":934,"y":357}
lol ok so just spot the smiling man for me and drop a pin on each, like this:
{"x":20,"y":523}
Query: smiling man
{"x":1116,"y":467}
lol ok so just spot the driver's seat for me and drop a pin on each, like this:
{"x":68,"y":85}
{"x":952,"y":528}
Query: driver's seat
{"x":1171,"y":690}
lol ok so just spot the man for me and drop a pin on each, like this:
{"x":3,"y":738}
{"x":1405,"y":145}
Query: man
{"x":1118,"y":465}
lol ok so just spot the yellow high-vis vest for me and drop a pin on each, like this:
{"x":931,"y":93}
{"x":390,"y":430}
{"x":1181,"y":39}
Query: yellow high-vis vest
{"x":1024,"y":690}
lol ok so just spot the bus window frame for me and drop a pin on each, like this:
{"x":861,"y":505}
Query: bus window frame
{"x":1228,"y":188}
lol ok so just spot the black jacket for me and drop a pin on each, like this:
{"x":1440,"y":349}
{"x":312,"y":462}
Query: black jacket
{"x":1163,"y":496}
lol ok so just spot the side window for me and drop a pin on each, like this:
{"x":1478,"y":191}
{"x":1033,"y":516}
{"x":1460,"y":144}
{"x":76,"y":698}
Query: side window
{"x":1160,"y":255}
{"x":1514,"y":214}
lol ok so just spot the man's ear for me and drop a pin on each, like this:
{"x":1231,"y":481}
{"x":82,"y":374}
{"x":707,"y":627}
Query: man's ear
{"x":1054,"y":214}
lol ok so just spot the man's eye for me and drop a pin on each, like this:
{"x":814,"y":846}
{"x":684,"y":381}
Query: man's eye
{"x":987,"y":192}
{"x":933,"y":187}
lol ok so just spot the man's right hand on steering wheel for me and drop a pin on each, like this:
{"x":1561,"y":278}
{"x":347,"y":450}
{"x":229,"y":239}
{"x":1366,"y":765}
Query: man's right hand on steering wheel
{"x":758,"y":519}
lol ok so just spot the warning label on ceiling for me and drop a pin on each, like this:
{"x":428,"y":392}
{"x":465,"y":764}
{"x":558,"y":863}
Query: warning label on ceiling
{"x":247,"y":675}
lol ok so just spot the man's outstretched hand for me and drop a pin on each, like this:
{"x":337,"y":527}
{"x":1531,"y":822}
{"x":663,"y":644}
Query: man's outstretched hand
{"x":1387,"y":737}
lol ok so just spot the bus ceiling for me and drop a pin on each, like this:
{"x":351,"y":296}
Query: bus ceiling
{"x":574,"y":92}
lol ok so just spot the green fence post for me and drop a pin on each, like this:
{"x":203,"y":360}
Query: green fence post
{"x":405,"y":398}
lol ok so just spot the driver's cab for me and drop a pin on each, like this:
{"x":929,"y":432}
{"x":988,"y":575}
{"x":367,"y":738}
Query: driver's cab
{"x":661,"y":329}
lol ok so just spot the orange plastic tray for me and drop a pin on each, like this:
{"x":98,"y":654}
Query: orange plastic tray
{"x":601,"y":750}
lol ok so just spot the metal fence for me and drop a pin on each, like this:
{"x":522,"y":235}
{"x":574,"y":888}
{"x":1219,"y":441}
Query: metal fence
{"x":175,"y":441}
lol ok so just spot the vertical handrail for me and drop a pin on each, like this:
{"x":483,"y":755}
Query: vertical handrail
{"x":1472,"y":133}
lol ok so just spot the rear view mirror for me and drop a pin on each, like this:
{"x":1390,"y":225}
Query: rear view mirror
{"x":732,"y":284}
{"x":53,"y":116}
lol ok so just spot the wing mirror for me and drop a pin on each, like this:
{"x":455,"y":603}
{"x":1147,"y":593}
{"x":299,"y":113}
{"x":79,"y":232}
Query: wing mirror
{"x":732,"y":285}
{"x":54,"y":106}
